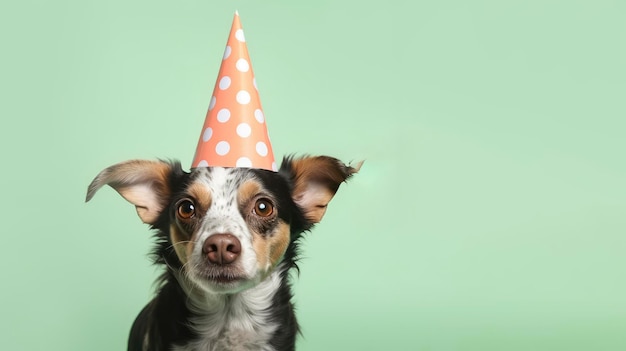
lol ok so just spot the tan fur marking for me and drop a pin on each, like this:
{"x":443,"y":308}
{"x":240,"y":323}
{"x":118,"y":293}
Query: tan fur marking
{"x":181,"y":243}
{"x":260,"y":248}
{"x":278,"y":243}
{"x":202,"y":195}
{"x":270,"y":249}
{"x":248,"y":190}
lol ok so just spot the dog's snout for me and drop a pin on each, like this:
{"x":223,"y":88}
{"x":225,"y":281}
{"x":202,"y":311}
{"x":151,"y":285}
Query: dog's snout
{"x":222,"y":248}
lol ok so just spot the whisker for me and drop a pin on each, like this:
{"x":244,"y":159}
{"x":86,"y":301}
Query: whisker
{"x":173,"y":245}
{"x":179,"y":243}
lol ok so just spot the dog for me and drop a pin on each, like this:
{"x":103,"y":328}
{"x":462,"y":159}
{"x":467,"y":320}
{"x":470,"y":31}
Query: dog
{"x":228,"y":238}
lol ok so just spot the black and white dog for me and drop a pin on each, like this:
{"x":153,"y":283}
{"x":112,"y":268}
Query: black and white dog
{"x":228,"y":238}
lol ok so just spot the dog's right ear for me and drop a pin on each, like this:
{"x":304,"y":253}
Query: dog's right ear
{"x":144,"y":184}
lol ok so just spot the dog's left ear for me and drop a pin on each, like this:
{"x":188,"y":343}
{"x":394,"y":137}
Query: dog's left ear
{"x":315,"y":181}
{"x":143,"y":183}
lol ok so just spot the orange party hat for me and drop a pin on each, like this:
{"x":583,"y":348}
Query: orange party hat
{"x":234,"y":132}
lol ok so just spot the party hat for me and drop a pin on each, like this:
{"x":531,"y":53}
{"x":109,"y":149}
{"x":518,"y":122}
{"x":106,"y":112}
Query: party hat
{"x":234,"y":132}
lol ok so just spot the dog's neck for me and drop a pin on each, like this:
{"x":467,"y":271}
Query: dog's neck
{"x":239,"y":321}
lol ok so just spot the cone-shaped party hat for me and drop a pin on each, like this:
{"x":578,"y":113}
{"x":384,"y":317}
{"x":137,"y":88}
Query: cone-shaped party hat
{"x":234,"y":132}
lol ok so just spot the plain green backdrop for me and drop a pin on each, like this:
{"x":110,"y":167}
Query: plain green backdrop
{"x":490,"y":213}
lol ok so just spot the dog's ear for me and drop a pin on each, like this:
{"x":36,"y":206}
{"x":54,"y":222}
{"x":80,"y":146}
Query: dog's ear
{"x":315,"y":181}
{"x":144,"y":184}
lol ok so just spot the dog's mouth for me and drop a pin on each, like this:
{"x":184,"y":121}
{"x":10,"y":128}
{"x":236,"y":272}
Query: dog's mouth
{"x":222,"y":275}
{"x":224,"y":278}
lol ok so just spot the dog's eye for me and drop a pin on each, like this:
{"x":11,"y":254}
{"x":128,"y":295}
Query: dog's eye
{"x":186,"y":209}
{"x":263,"y":208}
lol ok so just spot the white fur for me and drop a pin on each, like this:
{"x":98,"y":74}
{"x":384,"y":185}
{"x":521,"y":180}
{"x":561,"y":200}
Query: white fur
{"x":224,"y":217}
{"x":237,"y":322}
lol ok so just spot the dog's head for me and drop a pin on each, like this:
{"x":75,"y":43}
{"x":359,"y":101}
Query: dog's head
{"x":225,"y":229}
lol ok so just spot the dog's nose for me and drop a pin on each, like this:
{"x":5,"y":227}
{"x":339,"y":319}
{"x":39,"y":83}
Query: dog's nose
{"x":221,"y":248}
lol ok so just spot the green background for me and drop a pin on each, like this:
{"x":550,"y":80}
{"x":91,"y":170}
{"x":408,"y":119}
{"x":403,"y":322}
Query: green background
{"x":490,"y":213}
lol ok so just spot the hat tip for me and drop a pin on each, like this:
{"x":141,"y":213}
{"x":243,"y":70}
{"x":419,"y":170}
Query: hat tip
{"x":236,"y":12}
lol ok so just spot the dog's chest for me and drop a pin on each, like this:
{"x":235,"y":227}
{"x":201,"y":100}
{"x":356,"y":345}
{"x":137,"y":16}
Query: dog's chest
{"x":231,"y":339}
{"x":241,"y":323}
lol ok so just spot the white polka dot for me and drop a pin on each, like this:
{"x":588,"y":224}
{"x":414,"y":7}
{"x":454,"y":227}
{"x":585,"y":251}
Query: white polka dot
{"x":224,"y":82}
{"x":239,"y":35}
{"x":227,"y":52}
{"x":242,"y":65}
{"x":244,"y":130}
{"x":222,"y":148}
{"x":223,"y":115}
{"x":208,"y":133}
{"x":261,"y":148}
{"x":243,"y":97}
{"x":244,"y":162}
{"x":203,"y":163}
{"x":254,"y":83}
{"x":258,"y":114}
{"x":274,"y":168}
{"x":212,"y":103}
